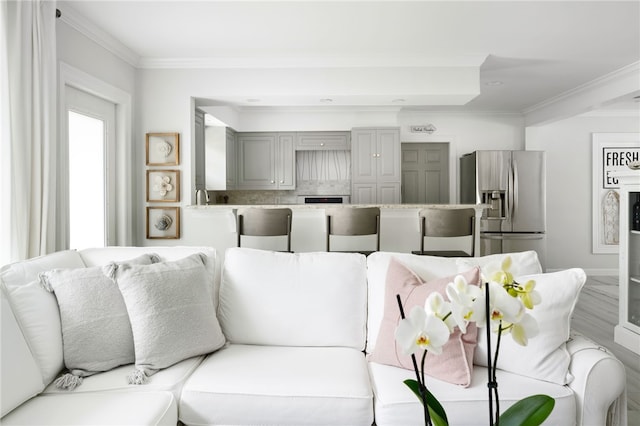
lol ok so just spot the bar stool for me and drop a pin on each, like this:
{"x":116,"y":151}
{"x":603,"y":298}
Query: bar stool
{"x":353,"y":221}
{"x":264,"y":222}
{"x":447,"y":223}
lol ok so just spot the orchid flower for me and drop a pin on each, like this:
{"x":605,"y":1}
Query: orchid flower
{"x":437,"y":306}
{"x":502,"y":307}
{"x":528,"y":294}
{"x":421,"y":330}
{"x":523,"y":330}
{"x":462,"y":296}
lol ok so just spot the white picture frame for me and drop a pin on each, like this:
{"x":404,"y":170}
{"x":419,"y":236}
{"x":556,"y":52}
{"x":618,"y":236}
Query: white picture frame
{"x":611,"y":152}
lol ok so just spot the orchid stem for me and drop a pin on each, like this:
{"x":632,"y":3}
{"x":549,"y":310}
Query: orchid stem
{"x":489,"y":368}
{"x":495,"y":366}
{"x":421,"y":385}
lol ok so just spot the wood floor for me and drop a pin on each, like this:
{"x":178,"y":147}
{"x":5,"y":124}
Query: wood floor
{"x":595,"y":316}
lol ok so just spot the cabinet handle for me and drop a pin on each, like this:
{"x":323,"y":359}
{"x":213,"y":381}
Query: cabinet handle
{"x":273,"y":181}
{"x":282,"y":181}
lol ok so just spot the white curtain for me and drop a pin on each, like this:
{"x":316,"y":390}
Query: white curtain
{"x":28,"y":70}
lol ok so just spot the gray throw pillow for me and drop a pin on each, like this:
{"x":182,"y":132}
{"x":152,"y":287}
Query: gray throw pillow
{"x":96,"y":332}
{"x":171,"y":312}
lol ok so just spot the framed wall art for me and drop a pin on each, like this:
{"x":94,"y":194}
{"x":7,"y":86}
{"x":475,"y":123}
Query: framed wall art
{"x":163,"y":186}
{"x":611,"y":152}
{"x":163,"y":149}
{"x":163,"y":222}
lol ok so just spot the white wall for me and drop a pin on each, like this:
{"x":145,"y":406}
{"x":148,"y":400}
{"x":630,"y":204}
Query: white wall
{"x":75,"y":49}
{"x":569,"y":173}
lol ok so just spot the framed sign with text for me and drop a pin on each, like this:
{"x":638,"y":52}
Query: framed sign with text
{"x":611,"y":152}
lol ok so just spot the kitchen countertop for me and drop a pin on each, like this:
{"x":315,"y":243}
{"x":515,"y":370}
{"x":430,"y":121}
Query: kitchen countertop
{"x":324,"y":206}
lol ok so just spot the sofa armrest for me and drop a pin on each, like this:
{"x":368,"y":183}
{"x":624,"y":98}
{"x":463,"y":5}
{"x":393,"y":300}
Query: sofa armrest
{"x":599,"y":383}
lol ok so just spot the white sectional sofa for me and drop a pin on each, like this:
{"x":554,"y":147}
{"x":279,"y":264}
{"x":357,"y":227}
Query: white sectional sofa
{"x":299,"y":333}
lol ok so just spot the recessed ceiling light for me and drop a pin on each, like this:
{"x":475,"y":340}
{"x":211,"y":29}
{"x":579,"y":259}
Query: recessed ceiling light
{"x":493,"y":83}
{"x":253,"y":100}
{"x":326,"y":100}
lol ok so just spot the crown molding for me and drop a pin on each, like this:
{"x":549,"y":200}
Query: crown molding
{"x":593,"y":84}
{"x":78,"y":22}
{"x":273,"y":62}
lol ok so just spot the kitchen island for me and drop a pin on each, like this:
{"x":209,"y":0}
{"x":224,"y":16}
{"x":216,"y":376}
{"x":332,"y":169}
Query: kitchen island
{"x":215,"y":225}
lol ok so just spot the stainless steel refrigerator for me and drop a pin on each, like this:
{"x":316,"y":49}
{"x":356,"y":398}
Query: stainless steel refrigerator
{"x":513,"y":184}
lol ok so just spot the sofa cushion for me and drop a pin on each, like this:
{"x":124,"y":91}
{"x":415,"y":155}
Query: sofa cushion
{"x":426,"y":267}
{"x":396,"y":405}
{"x":293,"y":299}
{"x":21,"y":377}
{"x":170,"y":379}
{"x":96,"y":331}
{"x":454,"y":364}
{"x":36,"y":309}
{"x":271,"y":385}
{"x":171,"y":311}
{"x":545,"y":357}
{"x":106,"y":408}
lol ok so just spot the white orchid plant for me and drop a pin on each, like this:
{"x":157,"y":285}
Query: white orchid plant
{"x":500,"y":305}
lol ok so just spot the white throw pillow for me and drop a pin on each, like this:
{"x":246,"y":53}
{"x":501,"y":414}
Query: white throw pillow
{"x":36,"y":309}
{"x":171,"y":312}
{"x":96,"y":332}
{"x":546,"y":356}
{"x":523,"y":263}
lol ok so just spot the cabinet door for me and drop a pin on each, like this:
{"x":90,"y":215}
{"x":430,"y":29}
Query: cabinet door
{"x":319,"y":141}
{"x":364,"y":193}
{"x":256,"y":161}
{"x":364,"y":156}
{"x":201,"y":166}
{"x":388,"y":155}
{"x":286,"y":161}
{"x":388,"y":193}
{"x":231,"y":159}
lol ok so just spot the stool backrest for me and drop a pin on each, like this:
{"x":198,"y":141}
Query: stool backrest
{"x":264,"y":222}
{"x":447,"y":222}
{"x":353,"y":221}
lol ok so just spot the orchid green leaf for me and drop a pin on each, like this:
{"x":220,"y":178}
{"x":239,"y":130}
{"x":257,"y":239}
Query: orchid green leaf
{"x":436,"y":411}
{"x":530,"y":411}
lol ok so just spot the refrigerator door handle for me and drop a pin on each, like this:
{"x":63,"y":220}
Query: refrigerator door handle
{"x":515,"y":190}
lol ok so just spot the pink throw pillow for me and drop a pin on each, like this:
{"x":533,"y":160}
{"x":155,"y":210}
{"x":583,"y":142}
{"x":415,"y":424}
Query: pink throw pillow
{"x":454,"y":364}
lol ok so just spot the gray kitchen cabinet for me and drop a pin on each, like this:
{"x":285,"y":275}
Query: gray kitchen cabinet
{"x":231,"y":159}
{"x":375,"y":166}
{"x":323,"y":141}
{"x":200,"y":166}
{"x":266,"y":161}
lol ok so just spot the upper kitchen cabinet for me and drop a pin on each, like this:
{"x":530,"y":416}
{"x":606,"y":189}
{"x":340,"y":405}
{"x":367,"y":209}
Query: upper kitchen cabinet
{"x":231,"y":159}
{"x":323,"y":141}
{"x":266,"y":161}
{"x":375,"y":165}
{"x":200,"y":166}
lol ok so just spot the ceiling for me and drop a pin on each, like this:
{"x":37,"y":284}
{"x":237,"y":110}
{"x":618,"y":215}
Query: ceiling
{"x":506,"y":56}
